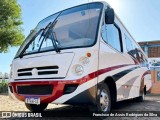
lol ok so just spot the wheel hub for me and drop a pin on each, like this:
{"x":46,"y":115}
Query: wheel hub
{"x":104,"y":100}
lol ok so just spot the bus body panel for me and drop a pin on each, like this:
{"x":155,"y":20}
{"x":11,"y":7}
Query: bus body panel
{"x":86,"y":82}
{"x":128,"y":73}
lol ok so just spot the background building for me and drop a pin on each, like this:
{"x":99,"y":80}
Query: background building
{"x":152,"y":50}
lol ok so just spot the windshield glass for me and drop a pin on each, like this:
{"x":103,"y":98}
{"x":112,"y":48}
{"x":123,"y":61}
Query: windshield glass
{"x":75,"y":27}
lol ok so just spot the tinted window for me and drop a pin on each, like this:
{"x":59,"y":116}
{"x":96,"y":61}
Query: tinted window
{"x":134,"y":50}
{"x":113,"y":36}
{"x":80,"y":31}
{"x":129,"y":44}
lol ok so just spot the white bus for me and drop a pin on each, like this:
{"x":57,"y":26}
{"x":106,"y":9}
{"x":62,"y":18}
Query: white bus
{"x":81,"y":55}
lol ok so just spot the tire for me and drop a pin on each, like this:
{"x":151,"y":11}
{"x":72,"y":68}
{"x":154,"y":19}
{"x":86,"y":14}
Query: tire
{"x":36,"y":108}
{"x":141,"y":98}
{"x":103,"y":99}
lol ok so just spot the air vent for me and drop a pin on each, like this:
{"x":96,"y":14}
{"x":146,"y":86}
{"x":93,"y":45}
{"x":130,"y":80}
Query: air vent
{"x":26,"y":69}
{"x":45,"y":70}
{"x":47,"y":67}
{"x":35,"y":89}
{"x":25,"y":74}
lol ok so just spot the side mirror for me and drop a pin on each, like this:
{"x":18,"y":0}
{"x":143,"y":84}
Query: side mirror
{"x":109,"y":16}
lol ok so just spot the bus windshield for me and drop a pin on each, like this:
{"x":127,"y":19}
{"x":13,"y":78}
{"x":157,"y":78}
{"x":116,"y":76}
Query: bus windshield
{"x":74,"y":28}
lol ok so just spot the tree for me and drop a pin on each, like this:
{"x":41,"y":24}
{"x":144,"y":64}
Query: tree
{"x":10,"y":25}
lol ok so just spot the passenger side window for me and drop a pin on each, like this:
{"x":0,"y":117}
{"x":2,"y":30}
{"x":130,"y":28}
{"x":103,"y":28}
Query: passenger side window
{"x":129,"y":44}
{"x":112,"y":36}
{"x":133,"y":50}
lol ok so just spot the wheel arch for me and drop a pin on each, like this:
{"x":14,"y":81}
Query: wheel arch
{"x":112,"y":87}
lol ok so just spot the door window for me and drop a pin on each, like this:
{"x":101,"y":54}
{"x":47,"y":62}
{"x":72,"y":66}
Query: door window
{"x":111,"y":35}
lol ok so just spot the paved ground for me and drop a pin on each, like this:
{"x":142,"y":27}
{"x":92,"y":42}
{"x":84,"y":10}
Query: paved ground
{"x":151,"y":103}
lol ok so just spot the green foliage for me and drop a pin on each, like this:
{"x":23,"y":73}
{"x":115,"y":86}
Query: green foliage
{"x":10,"y":21}
{"x":3,"y":87}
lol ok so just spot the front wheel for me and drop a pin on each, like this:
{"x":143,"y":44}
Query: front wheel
{"x":36,"y":108}
{"x":103,"y":99}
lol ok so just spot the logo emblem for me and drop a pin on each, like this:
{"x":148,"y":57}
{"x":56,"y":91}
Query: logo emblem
{"x":34,"y":72}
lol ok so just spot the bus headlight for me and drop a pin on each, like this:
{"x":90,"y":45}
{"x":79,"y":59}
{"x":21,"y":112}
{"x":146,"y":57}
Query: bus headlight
{"x":84,"y":61}
{"x":79,"y":69}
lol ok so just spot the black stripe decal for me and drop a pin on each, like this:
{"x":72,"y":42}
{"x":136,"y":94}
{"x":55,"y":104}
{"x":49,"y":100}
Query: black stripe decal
{"x":123,"y":73}
{"x":125,"y":91}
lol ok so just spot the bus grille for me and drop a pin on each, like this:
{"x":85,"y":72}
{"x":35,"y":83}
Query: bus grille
{"x":35,"y":89}
{"x":47,"y":70}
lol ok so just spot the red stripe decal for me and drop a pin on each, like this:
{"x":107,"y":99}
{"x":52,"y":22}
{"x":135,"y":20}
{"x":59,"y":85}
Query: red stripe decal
{"x":59,"y":84}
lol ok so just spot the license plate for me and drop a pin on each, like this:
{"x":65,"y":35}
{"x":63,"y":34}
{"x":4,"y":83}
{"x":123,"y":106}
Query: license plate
{"x":32,"y":100}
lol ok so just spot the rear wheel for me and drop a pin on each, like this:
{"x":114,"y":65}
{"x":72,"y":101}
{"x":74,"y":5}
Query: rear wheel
{"x":141,"y":98}
{"x":36,"y":108}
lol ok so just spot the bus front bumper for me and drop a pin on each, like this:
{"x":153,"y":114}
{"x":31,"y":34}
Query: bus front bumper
{"x":47,"y":91}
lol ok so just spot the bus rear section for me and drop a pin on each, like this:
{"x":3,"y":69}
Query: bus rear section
{"x":82,"y":55}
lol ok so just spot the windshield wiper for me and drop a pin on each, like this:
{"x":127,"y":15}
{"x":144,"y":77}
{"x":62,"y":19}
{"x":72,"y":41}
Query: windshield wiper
{"x":50,"y":32}
{"x":44,"y":31}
